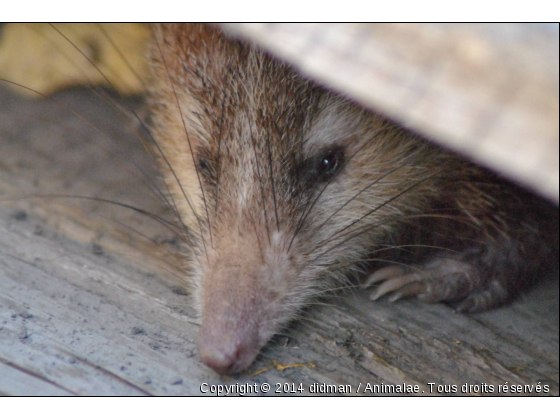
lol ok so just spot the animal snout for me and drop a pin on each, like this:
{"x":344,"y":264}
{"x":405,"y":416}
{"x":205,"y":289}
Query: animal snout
{"x":227,"y":351}
{"x":241,"y":298}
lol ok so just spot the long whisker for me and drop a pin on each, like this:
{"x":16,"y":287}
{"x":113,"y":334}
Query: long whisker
{"x":179,"y":108}
{"x":339,"y":265}
{"x":155,"y":190}
{"x":114,"y":104}
{"x":162,"y":267}
{"x":371,"y":184}
{"x":403,"y":219}
{"x":168,"y":224}
{"x":131,"y":110}
{"x":416,"y":184}
{"x":121,"y":55}
{"x":169,"y":164}
{"x":137,"y":232}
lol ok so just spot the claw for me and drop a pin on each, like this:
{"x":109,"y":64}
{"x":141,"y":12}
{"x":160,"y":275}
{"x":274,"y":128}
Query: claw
{"x":384,"y":274}
{"x":441,"y":280}
{"x":392,"y":285}
{"x":411,"y":289}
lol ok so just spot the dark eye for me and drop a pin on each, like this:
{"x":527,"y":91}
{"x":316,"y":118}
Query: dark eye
{"x":329,"y":164}
{"x":203,"y":165}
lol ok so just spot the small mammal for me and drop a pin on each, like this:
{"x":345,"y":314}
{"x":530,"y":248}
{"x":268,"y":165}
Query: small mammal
{"x":288,"y":190}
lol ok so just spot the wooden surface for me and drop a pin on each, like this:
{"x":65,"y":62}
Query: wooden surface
{"x":489,"y":91}
{"x":91,"y":307}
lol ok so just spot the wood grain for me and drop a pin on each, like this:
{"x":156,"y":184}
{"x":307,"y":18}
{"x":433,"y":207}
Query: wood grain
{"x":89,"y":307}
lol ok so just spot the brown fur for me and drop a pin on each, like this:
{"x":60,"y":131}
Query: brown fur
{"x":270,"y":234}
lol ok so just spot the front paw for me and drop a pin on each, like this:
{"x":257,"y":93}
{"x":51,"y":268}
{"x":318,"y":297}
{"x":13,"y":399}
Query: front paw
{"x":441,"y":280}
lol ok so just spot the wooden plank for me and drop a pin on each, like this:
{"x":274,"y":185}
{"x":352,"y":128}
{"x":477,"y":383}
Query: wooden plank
{"x":89,"y":307}
{"x":23,"y":382}
{"x":489,"y":91}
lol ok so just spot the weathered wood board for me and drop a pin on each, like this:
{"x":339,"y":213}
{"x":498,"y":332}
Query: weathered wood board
{"x":90,"y":307}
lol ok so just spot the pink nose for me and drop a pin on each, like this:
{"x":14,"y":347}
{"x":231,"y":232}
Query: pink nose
{"x":231,"y":352}
{"x":220,"y":361}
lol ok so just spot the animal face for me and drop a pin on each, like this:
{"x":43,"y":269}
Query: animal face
{"x":277,"y":180}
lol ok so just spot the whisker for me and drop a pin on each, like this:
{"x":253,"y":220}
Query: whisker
{"x":179,"y":108}
{"x":156,"y":190}
{"x":137,"y":232}
{"x":130,"y":109}
{"x":385,"y":248}
{"x":168,"y":224}
{"x":358,"y":193}
{"x":416,"y":184}
{"x":121,"y":55}
{"x":165,"y":158}
{"x":107,"y":99}
{"x":406,"y":219}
